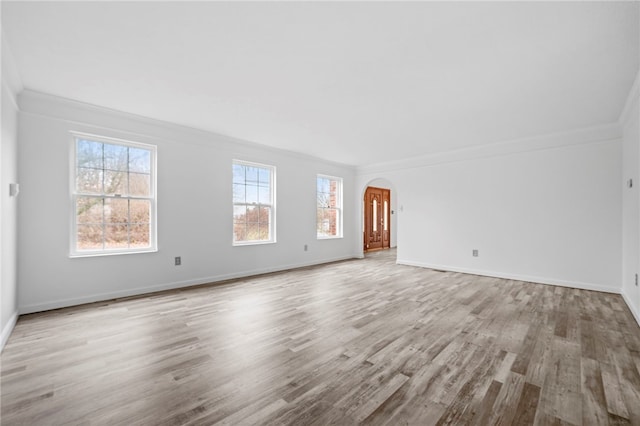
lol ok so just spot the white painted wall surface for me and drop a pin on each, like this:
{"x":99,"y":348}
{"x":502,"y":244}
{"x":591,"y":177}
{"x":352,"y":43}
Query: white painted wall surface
{"x":8,"y":205}
{"x":194,"y":209}
{"x":544,"y":214}
{"x":631,"y":201}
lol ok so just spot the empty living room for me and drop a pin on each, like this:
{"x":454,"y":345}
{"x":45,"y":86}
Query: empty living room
{"x":320,"y":213}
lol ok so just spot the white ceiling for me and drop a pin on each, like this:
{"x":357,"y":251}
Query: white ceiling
{"x":357,"y":83}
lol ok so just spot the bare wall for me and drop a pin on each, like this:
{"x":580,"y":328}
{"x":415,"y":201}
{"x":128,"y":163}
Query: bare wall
{"x":545,"y":210}
{"x":194,"y":209}
{"x":631,"y":200}
{"x":8,"y":205}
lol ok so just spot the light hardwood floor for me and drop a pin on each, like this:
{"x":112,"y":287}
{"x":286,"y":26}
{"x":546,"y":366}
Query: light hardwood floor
{"x":362,"y":341}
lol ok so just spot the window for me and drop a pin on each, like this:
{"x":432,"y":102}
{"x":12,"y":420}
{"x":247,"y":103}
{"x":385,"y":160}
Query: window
{"x":253,"y":203}
{"x":329,"y":207}
{"x":113,"y":196}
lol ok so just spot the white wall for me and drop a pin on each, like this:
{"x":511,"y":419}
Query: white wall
{"x":194,"y":209}
{"x":630,"y":121}
{"x":8,"y":205}
{"x":546,"y":210}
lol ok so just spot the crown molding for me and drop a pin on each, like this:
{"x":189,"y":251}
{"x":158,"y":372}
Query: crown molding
{"x":632,"y":99}
{"x":598,"y":134}
{"x":81,"y":113}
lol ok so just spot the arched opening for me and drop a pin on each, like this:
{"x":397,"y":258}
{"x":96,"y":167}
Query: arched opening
{"x":378,"y":216}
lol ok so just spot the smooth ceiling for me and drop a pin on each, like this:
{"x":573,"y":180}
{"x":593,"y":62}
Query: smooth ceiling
{"x":355,"y":82}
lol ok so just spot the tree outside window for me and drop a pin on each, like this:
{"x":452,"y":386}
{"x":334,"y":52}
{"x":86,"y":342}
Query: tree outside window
{"x":253,"y":203}
{"x":113,"y":196}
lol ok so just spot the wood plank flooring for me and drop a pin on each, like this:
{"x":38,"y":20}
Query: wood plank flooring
{"x":355,"y":342}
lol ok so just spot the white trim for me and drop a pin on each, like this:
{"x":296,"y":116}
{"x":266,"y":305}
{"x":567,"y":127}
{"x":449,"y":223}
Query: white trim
{"x":632,"y":98}
{"x":340,"y":207}
{"x":7,"y":330}
{"x":63,"y":303}
{"x":68,"y":110}
{"x":634,"y":312}
{"x":525,"y":278}
{"x":74,"y":195}
{"x":600,"y":134}
{"x":272,"y":205}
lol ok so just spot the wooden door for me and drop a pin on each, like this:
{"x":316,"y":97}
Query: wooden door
{"x":377,"y":219}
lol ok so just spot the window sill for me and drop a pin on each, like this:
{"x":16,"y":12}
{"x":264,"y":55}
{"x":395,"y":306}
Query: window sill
{"x":114,"y":253}
{"x":252,"y":243}
{"x":337,"y":237}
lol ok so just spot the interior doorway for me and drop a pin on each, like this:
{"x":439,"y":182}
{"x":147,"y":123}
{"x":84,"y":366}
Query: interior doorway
{"x":377,"y":219}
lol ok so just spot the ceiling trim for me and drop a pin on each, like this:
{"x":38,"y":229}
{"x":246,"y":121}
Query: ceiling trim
{"x":599,"y":134}
{"x":51,"y":106}
{"x":634,"y":96}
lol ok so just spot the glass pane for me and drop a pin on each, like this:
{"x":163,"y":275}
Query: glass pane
{"x":319,"y":221}
{"x":239,"y":213}
{"x":89,"y":180}
{"x":139,"y":236}
{"x":139,"y":211}
{"x":322,"y":199}
{"x":239,"y":193}
{"x":240,"y":231}
{"x":252,"y":194}
{"x":264,"y":195}
{"x":252,"y":231}
{"x":386,"y":213}
{"x":264,"y":177}
{"x":264,"y":231}
{"x":115,"y":183}
{"x":332,"y":222}
{"x":333,"y":193}
{"x":89,"y":210}
{"x":265,"y":215}
{"x":326,"y":223}
{"x":116,"y":236}
{"x":139,"y":184}
{"x":116,"y":157}
{"x":323,"y":185}
{"x":251,"y":175}
{"x":253,"y":214}
{"x":116,"y":211}
{"x":238,"y":174}
{"x":375,"y":215}
{"x":89,"y":154}
{"x":89,"y":237}
{"x":139,"y":160}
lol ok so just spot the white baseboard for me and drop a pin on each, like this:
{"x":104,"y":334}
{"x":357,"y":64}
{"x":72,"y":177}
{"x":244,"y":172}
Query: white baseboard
{"x":538,"y":280}
{"x":64,"y":303}
{"x":634,"y":311}
{"x":6,"y":331}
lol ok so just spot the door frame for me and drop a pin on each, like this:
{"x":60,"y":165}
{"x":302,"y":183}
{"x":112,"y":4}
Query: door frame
{"x":384,"y":214}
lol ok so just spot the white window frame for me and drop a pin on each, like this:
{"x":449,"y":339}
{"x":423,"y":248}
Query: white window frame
{"x":153,"y":225}
{"x":272,"y":205}
{"x":339,"y":208}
